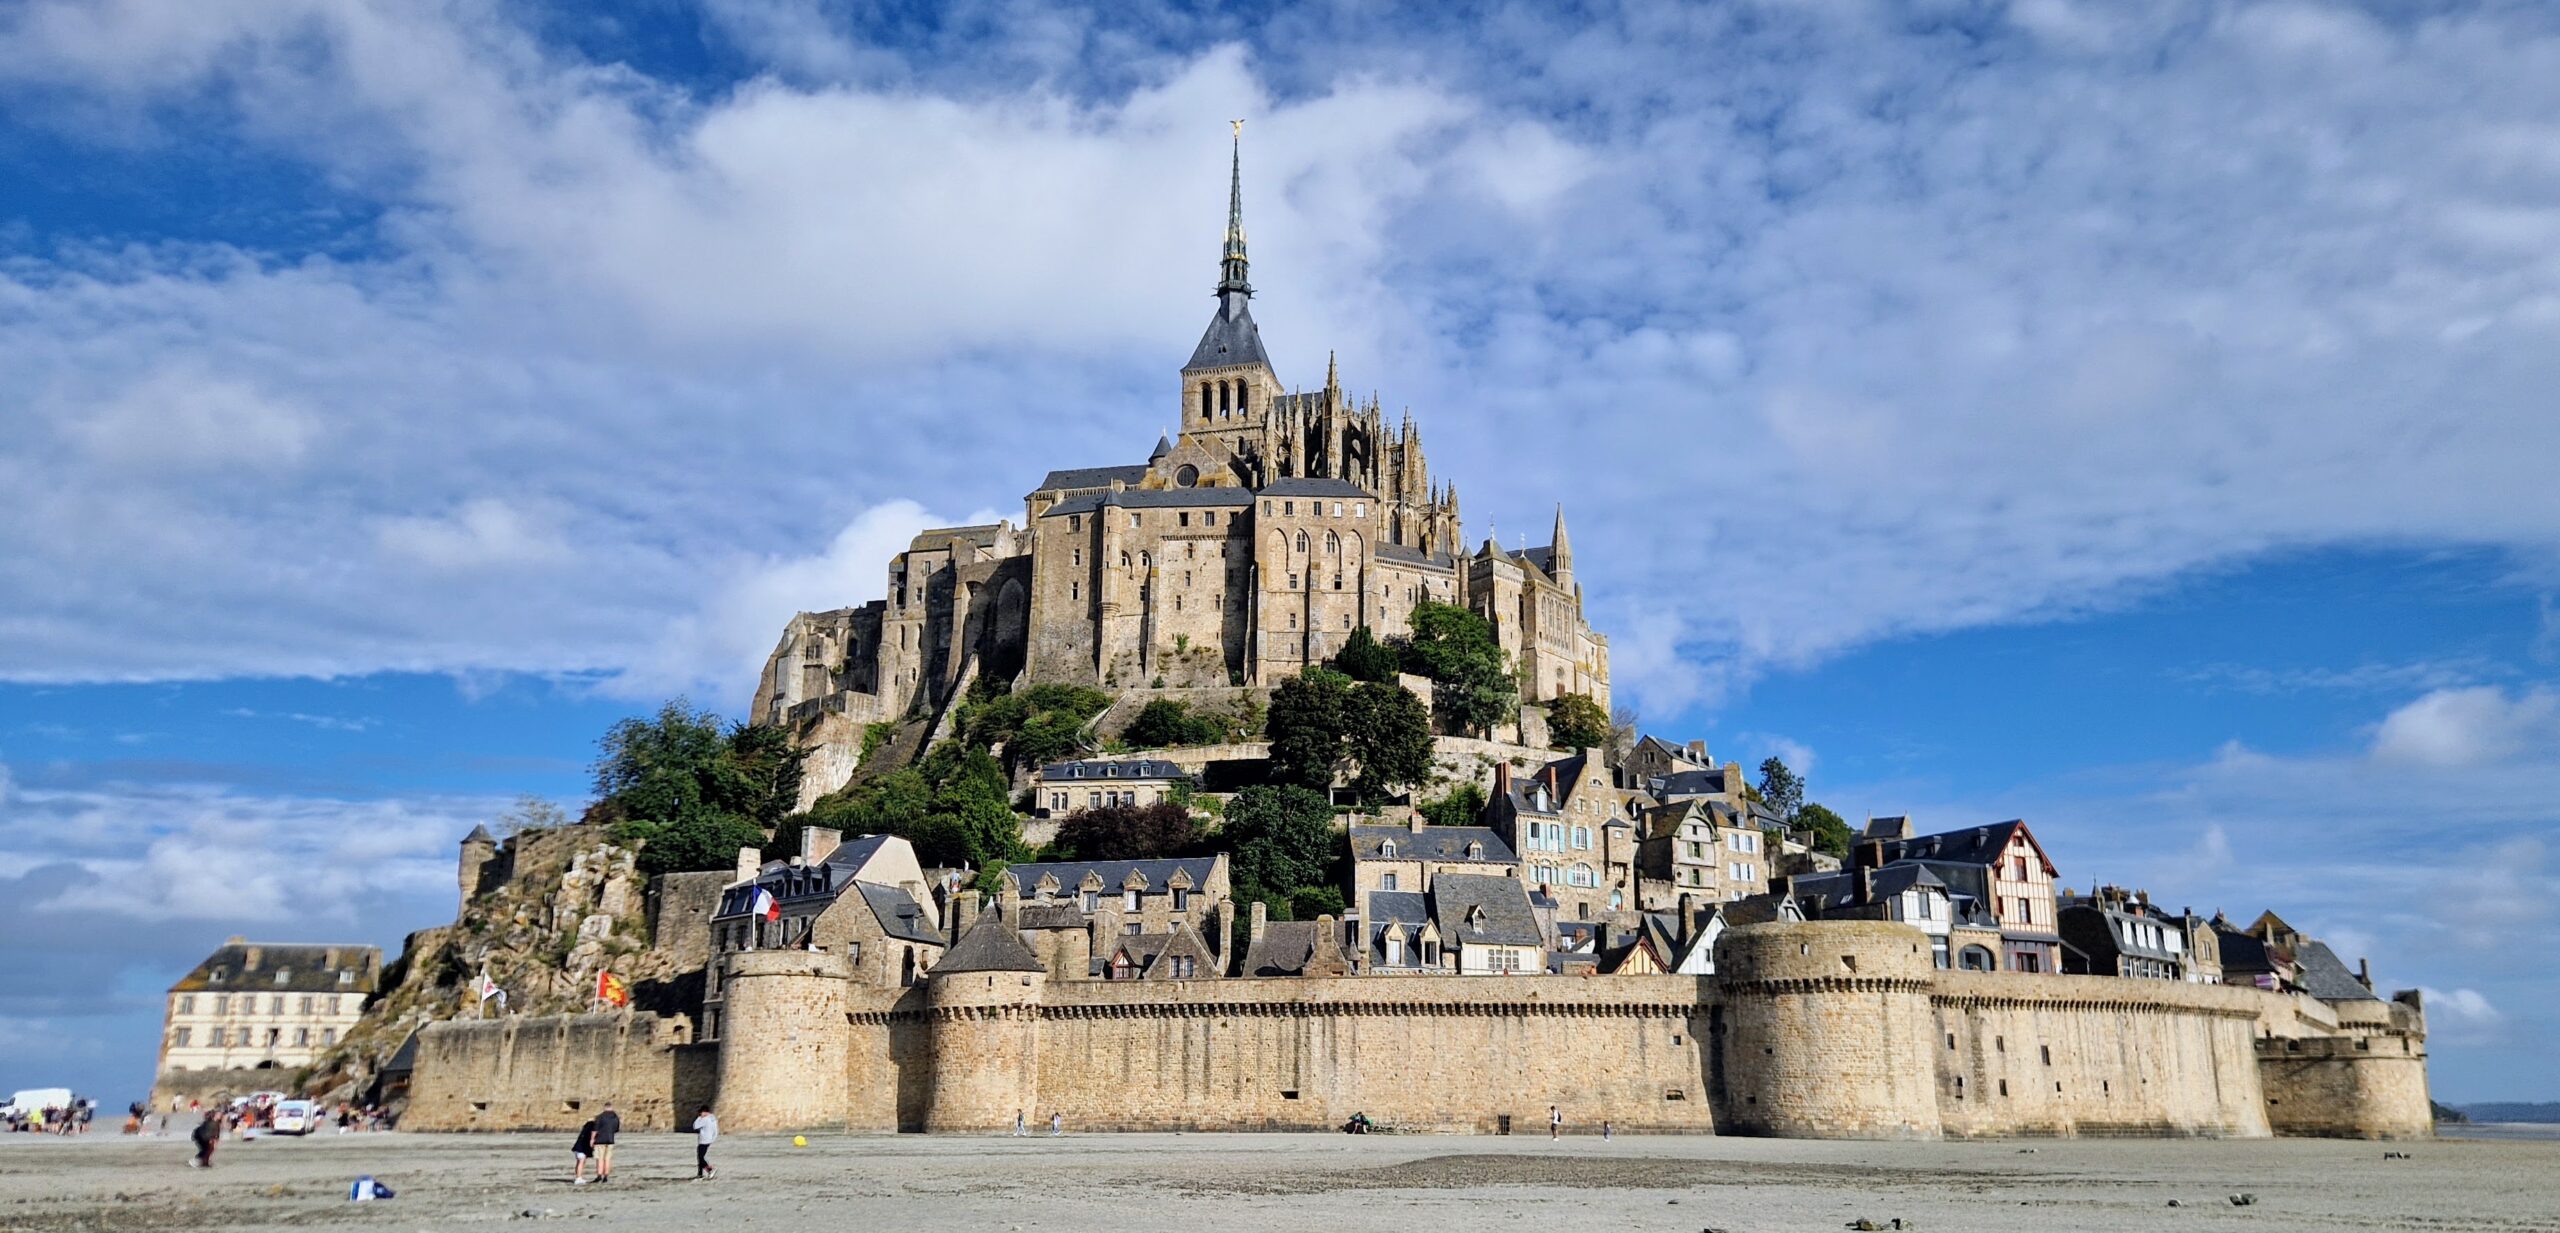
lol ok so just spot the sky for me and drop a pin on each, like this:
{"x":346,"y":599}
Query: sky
{"x":2136,"y":419}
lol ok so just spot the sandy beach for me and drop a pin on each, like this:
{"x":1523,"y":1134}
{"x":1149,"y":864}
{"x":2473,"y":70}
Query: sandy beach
{"x":1145,"y":1183}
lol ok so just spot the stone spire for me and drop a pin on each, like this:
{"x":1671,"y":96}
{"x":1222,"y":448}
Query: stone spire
{"x":1560,"y":554}
{"x":1231,"y":264}
{"x":1332,"y":375}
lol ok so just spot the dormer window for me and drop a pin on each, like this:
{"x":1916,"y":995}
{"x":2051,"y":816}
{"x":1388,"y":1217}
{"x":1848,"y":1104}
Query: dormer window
{"x":1475,"y":851}
{"x":1387,"y":849}
{"x":283,"y":975}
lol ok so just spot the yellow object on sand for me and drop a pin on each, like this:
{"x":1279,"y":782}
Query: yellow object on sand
{"x":799,"y":1140}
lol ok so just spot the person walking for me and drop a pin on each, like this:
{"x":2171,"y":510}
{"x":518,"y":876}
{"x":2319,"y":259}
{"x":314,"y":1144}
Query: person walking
{"x":582,"y":1151}
{"x":1019,"y":1129}
{"x":207,"y":1133}
{"x":1555,"y":1123}
{"x":1057,"y":1123}
{"x":706,"y":1131}
{"x":608,"y":1129}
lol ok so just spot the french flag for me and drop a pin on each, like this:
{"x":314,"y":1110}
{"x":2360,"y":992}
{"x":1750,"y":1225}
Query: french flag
{"x":765,"y":905}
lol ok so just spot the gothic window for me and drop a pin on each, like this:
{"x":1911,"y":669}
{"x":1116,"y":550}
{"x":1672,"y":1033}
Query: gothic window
{"x":1204,"y":400}
{"x":1146,"y":560}
{"x":1302,"y":541}
{"x":1124,"y":559}
{"x":1226,"y":396}
{"x":1332,"y":544}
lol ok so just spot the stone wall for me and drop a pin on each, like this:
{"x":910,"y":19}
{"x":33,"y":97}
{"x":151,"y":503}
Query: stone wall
{"x":552,"y":1072}
{"x":1832,"y":1029}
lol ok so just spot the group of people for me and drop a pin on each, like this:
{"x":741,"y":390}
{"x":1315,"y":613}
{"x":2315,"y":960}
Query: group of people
{"x":70,"y":1119}
{"x":596,"y":1139}
{"x":1022,"y":1125}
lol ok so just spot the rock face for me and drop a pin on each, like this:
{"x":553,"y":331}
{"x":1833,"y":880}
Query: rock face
{"x":544,"y":914}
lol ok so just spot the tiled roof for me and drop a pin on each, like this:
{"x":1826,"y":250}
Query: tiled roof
{"x":1070,"y":874}
{"x":1112,"y":768}
{"x":1151,"y":498}
{"x":253,"y":967}
{"x":1090,"y":477}
{"x":991,"y":945}
{"x":1303,"y":486}
{"x":1431,"y":843}
{"x":898,"y":913}
{"x":1505,"y":918}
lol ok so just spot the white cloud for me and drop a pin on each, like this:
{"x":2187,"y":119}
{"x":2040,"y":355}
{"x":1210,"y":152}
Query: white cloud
{"x":1798,"y":756}
{"x":190,"y":420}
{"x":2468,"y":726}
{"x":484,"y":533}
{"x":2459,"y":1007}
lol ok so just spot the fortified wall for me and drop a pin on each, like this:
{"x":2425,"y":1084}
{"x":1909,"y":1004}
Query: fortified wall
{"x":1827,"y":1030}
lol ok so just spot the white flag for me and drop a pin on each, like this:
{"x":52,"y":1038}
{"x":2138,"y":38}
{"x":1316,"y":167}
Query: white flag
{"x":489,"y":989}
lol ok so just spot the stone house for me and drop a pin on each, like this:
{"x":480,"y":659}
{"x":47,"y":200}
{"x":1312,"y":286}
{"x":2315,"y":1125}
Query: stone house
{"x":1294,"y":948}
{"x":2115,"y":932}
{"x":2003,"y":867}
{"x":1077,"y":914}
{"x":1655,"y":758}
{"x":1179,"y":955}
{"x":265,"y":1005}
{"x":1399,"y":935}
{"x":1062,"y":788}
{"x":1405,"y":859}
{"x":1487,"y":926}
{"x":1699,"y":847}
{"x":1909,"y":893}
{"x":1572,"y":829}
{"x":866,"y":899}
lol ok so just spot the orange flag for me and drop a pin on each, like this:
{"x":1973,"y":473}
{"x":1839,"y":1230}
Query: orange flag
{"x":611,"y":989}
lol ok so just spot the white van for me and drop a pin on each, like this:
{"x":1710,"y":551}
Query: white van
{"x":296,"y":1117}
{"x":35,"y":1098}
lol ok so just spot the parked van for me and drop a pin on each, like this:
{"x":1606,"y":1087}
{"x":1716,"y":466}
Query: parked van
{"x":296,"y":1117}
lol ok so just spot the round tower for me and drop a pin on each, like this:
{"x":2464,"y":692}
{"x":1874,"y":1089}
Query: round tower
{"x":1826,"y":1029}
{"x":983,"y":1002}
{"x":784,"y":1052}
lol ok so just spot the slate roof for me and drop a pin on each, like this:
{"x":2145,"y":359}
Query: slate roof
{"x":1506,"y":919}
{"x":2247,"y":953}
{"x":1758,"y":909}
{"x":1285,"y":948}
{"x":1431,"y":843}
{"x":1070,"y":874}
{"x":1980,"y":845}
{"x":1398,"y":907}
{"x":1835,"y":890}
{"x":405,"y":1058}
{"x":991,"y":945}
{"x":305,"y":968}
{"x":479,"y":834}
{"x":1061,"y":914}
{"x":2327,"y":977}
{"x":1302,"y":486}
{"x":1151,"y":498}
{"x":1416,"y":556}
{"x":1681,"y":784}
{"x":1231,"y":338}
{"x":1111,"y":768}
{"x":982,"y":535}
{"x":1090,"y":477}
{"x":899,"y":914}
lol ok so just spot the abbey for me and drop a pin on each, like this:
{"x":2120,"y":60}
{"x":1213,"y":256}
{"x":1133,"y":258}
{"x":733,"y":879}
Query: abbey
{"x":1249,"y":546}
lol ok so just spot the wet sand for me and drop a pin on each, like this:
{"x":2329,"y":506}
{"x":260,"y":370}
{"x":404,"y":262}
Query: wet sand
{"x":107,"y":1183}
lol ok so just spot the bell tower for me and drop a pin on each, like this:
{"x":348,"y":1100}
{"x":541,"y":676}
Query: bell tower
{"x":1228,"y":387}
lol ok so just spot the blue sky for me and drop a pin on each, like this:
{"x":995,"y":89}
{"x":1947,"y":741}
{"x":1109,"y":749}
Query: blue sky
{"x":2135,"y":420}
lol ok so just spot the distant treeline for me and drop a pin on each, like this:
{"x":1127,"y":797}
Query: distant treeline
{"x":2511,"y":1111}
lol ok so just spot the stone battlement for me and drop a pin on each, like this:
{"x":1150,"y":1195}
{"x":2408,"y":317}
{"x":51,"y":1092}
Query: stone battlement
{"x":1836,"y":1029}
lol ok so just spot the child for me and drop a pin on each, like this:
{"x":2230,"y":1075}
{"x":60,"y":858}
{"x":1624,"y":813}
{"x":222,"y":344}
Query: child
{"x":580,"y":1152}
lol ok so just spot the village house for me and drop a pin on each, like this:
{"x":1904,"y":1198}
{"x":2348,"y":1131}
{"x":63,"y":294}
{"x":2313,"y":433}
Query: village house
{"x":1698,"y":847}
{"x":265,"y":1005}
{"x":1062,"y":788}
{"x":1572,"y":830}
{"x":1405,"y":859}
{"x":2112,"y":931}
{"x":2002,"y":867}
{"x":866,"y":899}
{"x":1487,"y":926}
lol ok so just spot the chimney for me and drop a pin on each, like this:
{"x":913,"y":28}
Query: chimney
{"x":1870,"y":855}
{"x":329,"y":959}
{"x":1256,"y":923}
{"x":1866,"y":880}
{"x":816,"y":842}
{"x":1413,"y":821}
{"x":1697,"y":751}
{"x":964,"y":912}
{"x":1502,"y":779}
{"x":1327,"y":958}
{"x":1225,"y":941}
{"x":750,"y":860}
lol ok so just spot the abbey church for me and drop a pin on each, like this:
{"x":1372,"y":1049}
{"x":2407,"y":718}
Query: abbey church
{"x":1244,"y":549}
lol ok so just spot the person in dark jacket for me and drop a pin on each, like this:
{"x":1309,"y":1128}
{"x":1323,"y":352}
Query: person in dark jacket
{"x":207,"y":1133}
{"x":608,"y":1129}
{"x":581,"y":1152}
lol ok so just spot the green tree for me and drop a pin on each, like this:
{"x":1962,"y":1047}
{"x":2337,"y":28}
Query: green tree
{"x":1166,"y":724}
{"x":1473,"y":687}
{"x":1574,"y":721}
{"x":1309,"y":713}
{"x":952,"y":806}
{"x":1041,"y":724}
{"x":1310,"y":902}
{"x":1463,"y":806}
{"x":1279,"y":838}
{"x":1364,"y":658}
{"x":1780,"y":789}
{"x":1831,"y":832}
{"x":1387,"y":738}
{"x":1127,"y":833}
{"x":691,"y":790}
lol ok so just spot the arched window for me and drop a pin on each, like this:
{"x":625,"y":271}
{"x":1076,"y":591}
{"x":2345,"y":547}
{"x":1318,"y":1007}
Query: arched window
{"x":1226,"y":397}
{"x":1387,"y":850}
{"x":1124,"y":558}
{"x":1302,"y":541}
{"x":1244,"y":397}
{"x":1204,"y":400}
{"x":1583,"y":876}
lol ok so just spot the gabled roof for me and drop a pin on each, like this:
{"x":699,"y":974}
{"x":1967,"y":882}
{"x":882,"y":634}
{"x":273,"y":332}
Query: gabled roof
{"x":1761,"y":909}
{"x":899,"y":914}
{"x":1286,"y":948}
{"x":253,"y":967}
{"x":1484,"y":910}
{"x":2327,"y":977}
{"x":1301,"y":486}
{"x":1431,"y":843}
{"x":1398,"y":907}
{"x":991,"y":945}
{"x":1680,"y":785}
{"x":1980,"y":845}
{"x":1090,"y":477}
{"x":1114,"y":875}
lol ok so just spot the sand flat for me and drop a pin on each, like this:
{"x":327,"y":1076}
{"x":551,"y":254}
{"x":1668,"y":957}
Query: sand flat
{"x":1182,"y":1183}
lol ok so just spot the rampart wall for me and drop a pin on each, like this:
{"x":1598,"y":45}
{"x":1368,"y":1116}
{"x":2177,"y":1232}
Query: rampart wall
{"x":1839,"y":1030}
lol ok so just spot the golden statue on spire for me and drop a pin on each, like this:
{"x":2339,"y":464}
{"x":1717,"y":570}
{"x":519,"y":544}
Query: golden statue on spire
{"x":1238,"y":125}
